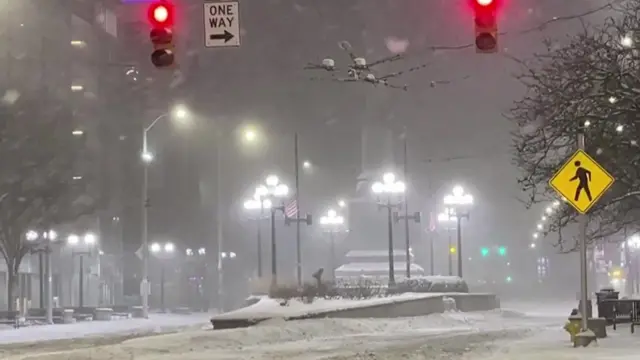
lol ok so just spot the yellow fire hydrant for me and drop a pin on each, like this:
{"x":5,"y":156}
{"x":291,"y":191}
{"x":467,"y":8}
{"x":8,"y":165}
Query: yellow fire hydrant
{"x":573,"y":328}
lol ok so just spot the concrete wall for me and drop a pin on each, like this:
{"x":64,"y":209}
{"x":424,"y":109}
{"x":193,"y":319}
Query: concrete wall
{"x":409,"y":308}
{"x":406,"y":308}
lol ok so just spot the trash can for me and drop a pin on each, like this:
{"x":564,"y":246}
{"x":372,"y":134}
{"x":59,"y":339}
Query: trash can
{"x":606,"y":309}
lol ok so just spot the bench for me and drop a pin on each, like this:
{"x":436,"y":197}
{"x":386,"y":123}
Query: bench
{"x":103,"y":314}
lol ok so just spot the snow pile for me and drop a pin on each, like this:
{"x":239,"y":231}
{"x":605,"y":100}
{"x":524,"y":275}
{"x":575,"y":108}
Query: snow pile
{"x":298,"y":339}
{"x":449,"y":304}
{"x":157,"y":323}
{"x":273,"y":308}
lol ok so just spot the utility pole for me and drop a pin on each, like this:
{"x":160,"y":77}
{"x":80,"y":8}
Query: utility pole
{"x":298,"y":250}
{"x":406,"y":211}
{"x":219,"y":232}
{"x":406,"y":217}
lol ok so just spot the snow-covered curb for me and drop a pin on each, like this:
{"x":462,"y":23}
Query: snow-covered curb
{"x":268,"y":308}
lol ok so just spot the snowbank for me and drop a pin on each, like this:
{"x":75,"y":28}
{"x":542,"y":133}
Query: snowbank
{"x":267,"y":308}
{"x":157,"y":323}
{"x":310,"y":339}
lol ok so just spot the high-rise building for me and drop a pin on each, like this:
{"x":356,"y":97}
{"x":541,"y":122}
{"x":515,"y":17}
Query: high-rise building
{"x":64,"y":53}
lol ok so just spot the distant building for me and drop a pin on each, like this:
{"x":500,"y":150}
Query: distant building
{"x":375,"y":264}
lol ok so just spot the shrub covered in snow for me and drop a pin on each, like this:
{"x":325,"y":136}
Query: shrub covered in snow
{"x":363,"y":288}
{"x":434,"y":284}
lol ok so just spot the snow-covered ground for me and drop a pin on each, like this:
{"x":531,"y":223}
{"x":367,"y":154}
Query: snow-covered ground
{"x":524,"y":332}
{"x":157,"y":323}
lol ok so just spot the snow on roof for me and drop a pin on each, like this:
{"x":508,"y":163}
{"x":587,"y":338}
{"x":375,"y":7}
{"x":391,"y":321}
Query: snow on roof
{"x":375,"y":253}
{"x":377,"y":266}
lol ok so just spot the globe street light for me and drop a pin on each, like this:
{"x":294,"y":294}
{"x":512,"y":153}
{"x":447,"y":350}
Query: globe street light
{"x":332,"y":223}
{"x":386,"y":191}
{"x":85,"y":244}
{"x":274,"y":189}
{"x":181,"y":114}
{"x":43,"y":242}
{"x":163,"y":252}
{"x":459,"y":200}
{"x":447,"y":217}
{"x":259,"y":202}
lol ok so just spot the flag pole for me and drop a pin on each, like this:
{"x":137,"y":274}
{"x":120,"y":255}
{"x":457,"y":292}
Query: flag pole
{"x":297,"y":199}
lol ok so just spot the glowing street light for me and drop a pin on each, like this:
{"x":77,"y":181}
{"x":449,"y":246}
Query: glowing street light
{"x":389,"y":186}
{"x":84,"y":243}
{"x":181,"y":113}
{"x":333,"y":223}
{"x":263,"y":199}
{"x":459,"y":199}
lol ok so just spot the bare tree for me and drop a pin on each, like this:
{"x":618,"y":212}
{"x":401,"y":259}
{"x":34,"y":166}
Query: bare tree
{"x":589,"y":83}
{"x":43,"y":181}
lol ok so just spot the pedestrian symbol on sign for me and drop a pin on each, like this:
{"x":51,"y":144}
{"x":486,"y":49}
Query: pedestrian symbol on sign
{"x":581,"y":181}
{"x":584,"y":177}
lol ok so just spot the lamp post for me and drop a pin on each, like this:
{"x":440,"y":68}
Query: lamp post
{"x":197,"y":259}
{"x":85,"y":243}
{"x":180,"y":113}
{"x":259,"y":203}
{"x":44,"y":242}
{"x":459,"y":200}
{"x":275,"y":189}
{"x":633,"y":243}
{"x":389,"y":193}
{"x":162,"y":252}
{"x":332,"y":222}
{"x":447,"y":217}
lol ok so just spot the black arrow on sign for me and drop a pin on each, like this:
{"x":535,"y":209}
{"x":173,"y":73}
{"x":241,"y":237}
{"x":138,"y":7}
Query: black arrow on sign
{"x":226,"y":36}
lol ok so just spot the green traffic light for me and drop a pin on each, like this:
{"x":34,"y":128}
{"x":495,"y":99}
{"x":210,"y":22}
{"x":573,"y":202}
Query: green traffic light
{"x":484,"y":251}
{"x":508,"y":279}
{"x":502,"y":251}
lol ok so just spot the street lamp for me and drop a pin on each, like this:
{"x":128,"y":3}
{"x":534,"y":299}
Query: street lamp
{"x":259,"y":202}
{"x":162,"y":252}
{"x":43,"y":242}
{"x":458,"y":199}
{"x":274,"y":189}
{"x":447,"y":217}
{"x":85,"y":243}
{"x":181,"y":114}
{"x":390,"y":189}
{"x":332,"y":222}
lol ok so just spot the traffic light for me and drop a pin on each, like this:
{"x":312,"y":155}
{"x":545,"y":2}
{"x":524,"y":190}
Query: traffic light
{"x":452,"y":250}
{"x":484,"y":252}
{"x":502,"y":251}
{"x":161,"y":16}
{"x":486,"y":25}
{"x":509,"y":279}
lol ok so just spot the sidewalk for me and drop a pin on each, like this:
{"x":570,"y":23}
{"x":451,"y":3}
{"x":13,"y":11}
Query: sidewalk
{"x":157,"y":323}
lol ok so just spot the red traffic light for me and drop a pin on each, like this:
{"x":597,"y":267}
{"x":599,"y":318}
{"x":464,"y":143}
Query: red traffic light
{"x":484,"y":2}
{"x":161,"y":14}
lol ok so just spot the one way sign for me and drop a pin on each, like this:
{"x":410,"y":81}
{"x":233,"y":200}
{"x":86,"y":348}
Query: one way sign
{"x":221,"y":24}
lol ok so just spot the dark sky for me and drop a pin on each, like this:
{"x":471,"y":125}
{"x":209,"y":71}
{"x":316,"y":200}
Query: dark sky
{"x":263,"y":81}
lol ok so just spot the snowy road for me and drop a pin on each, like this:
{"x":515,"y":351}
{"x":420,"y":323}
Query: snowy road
{"x":531,"y":332}
{"x":444,"y":336}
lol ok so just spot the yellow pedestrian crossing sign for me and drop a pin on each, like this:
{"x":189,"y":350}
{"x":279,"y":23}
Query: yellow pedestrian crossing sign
{"x":581,"y":181}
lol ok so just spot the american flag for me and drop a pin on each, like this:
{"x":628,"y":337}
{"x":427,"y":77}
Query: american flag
{"x":291,"y":208}
{"x":432,"y":221}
